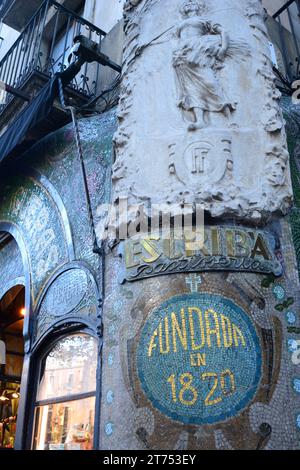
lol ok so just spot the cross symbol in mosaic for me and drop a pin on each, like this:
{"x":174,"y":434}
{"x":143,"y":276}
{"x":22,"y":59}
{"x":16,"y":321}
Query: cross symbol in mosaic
{"x":193,"y":281}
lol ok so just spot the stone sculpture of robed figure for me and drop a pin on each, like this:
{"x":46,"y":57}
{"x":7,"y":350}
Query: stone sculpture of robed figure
{"x":203,"y":48}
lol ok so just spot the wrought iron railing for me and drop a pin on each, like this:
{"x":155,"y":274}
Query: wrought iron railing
{"x":288,"y":19}
{"x":44,"y":46}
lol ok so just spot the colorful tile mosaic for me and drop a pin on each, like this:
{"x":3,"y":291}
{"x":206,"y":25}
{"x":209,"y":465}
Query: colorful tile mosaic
{"x":110,"y":397}
{"x":279,"y":292}
{"x":292,"y":345}
{"x":110,"y":360}
{"x":296,"y":385}
{"x":199,"y":358}
{"x":109,"y":429}
{"x":291,"y":317}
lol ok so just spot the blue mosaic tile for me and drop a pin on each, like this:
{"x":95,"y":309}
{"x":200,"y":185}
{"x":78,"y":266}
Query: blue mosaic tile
{"x":296,"y":385}
{"x":291,"y":317}
{"x":110,"y":360}
{"x":110,"y":397}
{"x":112,"y":329}
{"x":199,"y":358}
{"x":292,"y":345}
{"x":279,"y":292}
{"x":298,"y":421}
{"x":109,"y":429}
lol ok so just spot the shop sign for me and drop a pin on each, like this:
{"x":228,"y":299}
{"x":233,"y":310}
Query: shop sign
{"x":221,"y":249}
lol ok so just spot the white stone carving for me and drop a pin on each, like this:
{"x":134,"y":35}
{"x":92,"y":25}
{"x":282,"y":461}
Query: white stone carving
{"x":199,"y":119}
{"x":195,"y":161}
{"x":198,"y":58}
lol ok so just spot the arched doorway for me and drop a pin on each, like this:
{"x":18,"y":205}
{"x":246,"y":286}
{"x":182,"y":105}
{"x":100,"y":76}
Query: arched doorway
{"x":12,"y":312}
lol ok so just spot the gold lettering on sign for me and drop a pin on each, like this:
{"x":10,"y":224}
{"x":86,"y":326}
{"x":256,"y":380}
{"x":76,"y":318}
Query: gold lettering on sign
{"x":132,"y":249}
{"x":227,"y":331}
{"x":214,"y":241}
{"x":198,"y":360}
{"x":212,"y":331}
{"x":260,"y":249}
{"x":181,"y":332}
{"x":242,"y":249}
{"x":230,"y":243}
{"x":191,"y":330}
{"x":166,"y":335}
{"x":152,"y":344}
{"x":195,"y":346}
{"x":238,"y":335}
{"x":151,"y":249}
{"x":170,"y":247}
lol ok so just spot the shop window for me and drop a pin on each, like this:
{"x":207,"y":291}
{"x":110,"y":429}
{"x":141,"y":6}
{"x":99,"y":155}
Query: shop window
{"x":65,"y":403}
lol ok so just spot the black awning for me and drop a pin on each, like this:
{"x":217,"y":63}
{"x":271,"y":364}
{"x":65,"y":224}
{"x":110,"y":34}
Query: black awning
{"x":15,"y":139}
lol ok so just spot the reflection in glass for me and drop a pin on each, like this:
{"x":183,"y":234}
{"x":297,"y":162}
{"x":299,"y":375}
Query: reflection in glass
{"x":65,"y":408}
{"x":70,"y":368}
{"x":65,"y":426}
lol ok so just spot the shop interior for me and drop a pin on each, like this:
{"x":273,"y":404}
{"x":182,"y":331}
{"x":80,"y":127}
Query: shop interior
{"x":12,"y":313}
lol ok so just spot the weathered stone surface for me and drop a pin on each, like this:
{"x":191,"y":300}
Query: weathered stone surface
{"x":199,"y":119}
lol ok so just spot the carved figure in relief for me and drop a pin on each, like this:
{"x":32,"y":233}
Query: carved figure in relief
{"x":276,"y":165}
{"x":203,"y":48}
{"x":129,"y":4}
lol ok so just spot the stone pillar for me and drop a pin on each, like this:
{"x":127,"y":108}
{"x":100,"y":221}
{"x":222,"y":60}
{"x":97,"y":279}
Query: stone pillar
{"x":195,"y":337}
{"x":198,"y":84}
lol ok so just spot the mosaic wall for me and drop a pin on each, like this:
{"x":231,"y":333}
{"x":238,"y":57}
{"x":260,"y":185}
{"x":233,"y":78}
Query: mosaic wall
{"x":292,"y":117}
{"x":12,"y":272}
{"x":192,"y":360}
{"x":199,"y":358}
{"x":27,"y":205}
{"x":205,"y":360}
{"x":202,"y":360}
{"x":45,"y":204}
{"x":73,"y":295}
{"x":56,"y":158}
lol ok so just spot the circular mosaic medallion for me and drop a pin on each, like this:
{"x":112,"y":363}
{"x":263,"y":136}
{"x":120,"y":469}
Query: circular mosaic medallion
{"x":199,"y":358}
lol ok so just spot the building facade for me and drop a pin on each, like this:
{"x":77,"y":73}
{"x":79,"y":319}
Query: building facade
{"x":114,"y":336}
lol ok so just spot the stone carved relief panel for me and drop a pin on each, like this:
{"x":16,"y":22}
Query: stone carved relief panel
{"x":201,"y":70}
{"x":205,"y":162}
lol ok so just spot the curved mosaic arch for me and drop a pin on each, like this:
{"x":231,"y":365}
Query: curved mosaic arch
{"x":32,"y":206}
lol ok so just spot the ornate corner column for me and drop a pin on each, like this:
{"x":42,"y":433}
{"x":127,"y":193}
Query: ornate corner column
{"x":197,"y":342}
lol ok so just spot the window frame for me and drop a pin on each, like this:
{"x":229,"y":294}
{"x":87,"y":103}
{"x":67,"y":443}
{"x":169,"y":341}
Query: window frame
{"x":40,"y":357}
